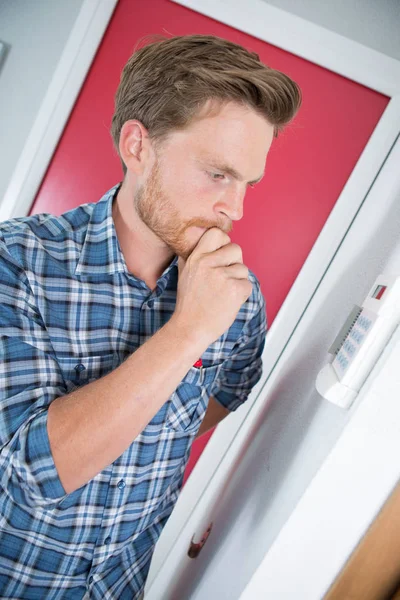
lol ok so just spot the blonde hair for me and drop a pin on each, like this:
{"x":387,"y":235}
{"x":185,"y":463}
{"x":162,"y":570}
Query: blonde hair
{"x":165,"y":84}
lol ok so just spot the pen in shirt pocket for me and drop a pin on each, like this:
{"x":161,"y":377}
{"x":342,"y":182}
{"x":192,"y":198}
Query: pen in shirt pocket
{"x":199,"y":365}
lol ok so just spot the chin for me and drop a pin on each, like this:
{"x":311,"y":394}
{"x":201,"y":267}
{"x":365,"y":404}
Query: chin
{"x":186,"y":251}
{"x":195,"y":236}
{"x":185,"y":245}
{"x":197,"y":233}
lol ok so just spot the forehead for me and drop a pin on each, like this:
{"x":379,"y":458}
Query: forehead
{"x":234,"y":134}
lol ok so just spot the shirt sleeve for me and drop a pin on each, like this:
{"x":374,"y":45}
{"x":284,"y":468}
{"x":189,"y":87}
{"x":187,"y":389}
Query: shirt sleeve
{"x":30,"y":379}
{"x":243,"y":368}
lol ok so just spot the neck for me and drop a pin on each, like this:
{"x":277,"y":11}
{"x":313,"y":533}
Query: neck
{"x":146,"y":256}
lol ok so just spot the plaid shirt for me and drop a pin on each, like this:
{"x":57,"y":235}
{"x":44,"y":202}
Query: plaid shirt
{"x":71,"y":312}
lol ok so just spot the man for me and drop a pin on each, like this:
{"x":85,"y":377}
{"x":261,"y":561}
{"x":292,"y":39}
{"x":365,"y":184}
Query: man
{"x":128,"y":323}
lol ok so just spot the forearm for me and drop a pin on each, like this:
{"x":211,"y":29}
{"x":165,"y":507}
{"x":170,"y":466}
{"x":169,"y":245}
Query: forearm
{"x":91,"y":427}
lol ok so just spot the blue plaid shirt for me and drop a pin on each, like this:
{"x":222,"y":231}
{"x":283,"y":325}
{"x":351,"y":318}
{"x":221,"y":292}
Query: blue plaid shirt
{"x":71,"y":312}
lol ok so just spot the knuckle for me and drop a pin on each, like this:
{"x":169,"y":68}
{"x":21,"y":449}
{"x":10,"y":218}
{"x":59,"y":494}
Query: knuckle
{"x":223,"y":237}
{"x":218,"y":231}
{"x":238,"y":251}
{"x":242,"y":271}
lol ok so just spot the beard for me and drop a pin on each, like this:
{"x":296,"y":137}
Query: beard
{"x":158,"y":213}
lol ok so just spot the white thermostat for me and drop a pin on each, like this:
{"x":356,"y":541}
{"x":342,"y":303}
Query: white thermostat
{"x":360,"y":342}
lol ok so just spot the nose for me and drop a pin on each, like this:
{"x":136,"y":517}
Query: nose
{"x":232,"y":204}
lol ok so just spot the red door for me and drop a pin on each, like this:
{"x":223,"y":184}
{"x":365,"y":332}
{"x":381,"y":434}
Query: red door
{"x":307,"y":167}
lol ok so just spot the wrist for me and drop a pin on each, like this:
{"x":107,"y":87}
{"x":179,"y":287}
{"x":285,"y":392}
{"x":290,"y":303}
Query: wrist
{"x":189,"y":335}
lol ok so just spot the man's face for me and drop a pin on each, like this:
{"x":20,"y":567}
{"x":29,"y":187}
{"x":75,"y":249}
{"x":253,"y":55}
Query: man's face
{"x":200,"y":176}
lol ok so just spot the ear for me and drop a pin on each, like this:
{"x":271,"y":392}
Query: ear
{"x":135,"y":146}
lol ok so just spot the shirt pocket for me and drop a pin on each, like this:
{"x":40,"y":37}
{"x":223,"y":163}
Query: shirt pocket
{"x":80,"y":370}
{"x":188,"y":404}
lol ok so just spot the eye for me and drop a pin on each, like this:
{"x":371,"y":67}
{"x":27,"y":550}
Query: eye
{"x":216,"y":176}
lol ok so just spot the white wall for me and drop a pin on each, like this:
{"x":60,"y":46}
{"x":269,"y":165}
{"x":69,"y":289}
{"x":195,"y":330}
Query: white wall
{"x":374,"y":23}
{"x":36,"y":32}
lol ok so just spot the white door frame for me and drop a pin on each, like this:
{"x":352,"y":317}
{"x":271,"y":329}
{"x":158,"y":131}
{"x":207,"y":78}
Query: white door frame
{"x":362,"y":65}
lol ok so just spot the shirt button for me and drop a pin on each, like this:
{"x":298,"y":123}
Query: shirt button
{"x":90,"y":579}
{"x":107,"y":540}
{"x":121,"y":484}
{"x":150,"y":303}
{"x":80,"y":367}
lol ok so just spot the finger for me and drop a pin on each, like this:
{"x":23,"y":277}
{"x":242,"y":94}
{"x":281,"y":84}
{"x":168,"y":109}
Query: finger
{"x":237,"y":271}
{"x":229,"y":254}
{"x":211,"y":240}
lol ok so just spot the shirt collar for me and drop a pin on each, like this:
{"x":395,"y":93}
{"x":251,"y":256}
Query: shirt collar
{"x":101,"y":252}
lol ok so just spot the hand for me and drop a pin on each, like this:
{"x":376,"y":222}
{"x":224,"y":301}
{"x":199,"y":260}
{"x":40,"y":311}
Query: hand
{"x":213,"y":284}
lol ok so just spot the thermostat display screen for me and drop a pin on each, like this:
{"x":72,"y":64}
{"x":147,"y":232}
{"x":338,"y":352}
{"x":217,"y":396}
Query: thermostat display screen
{"x":379,"y":291}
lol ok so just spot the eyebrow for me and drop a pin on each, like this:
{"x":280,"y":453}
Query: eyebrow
{"x":231,"y":171}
